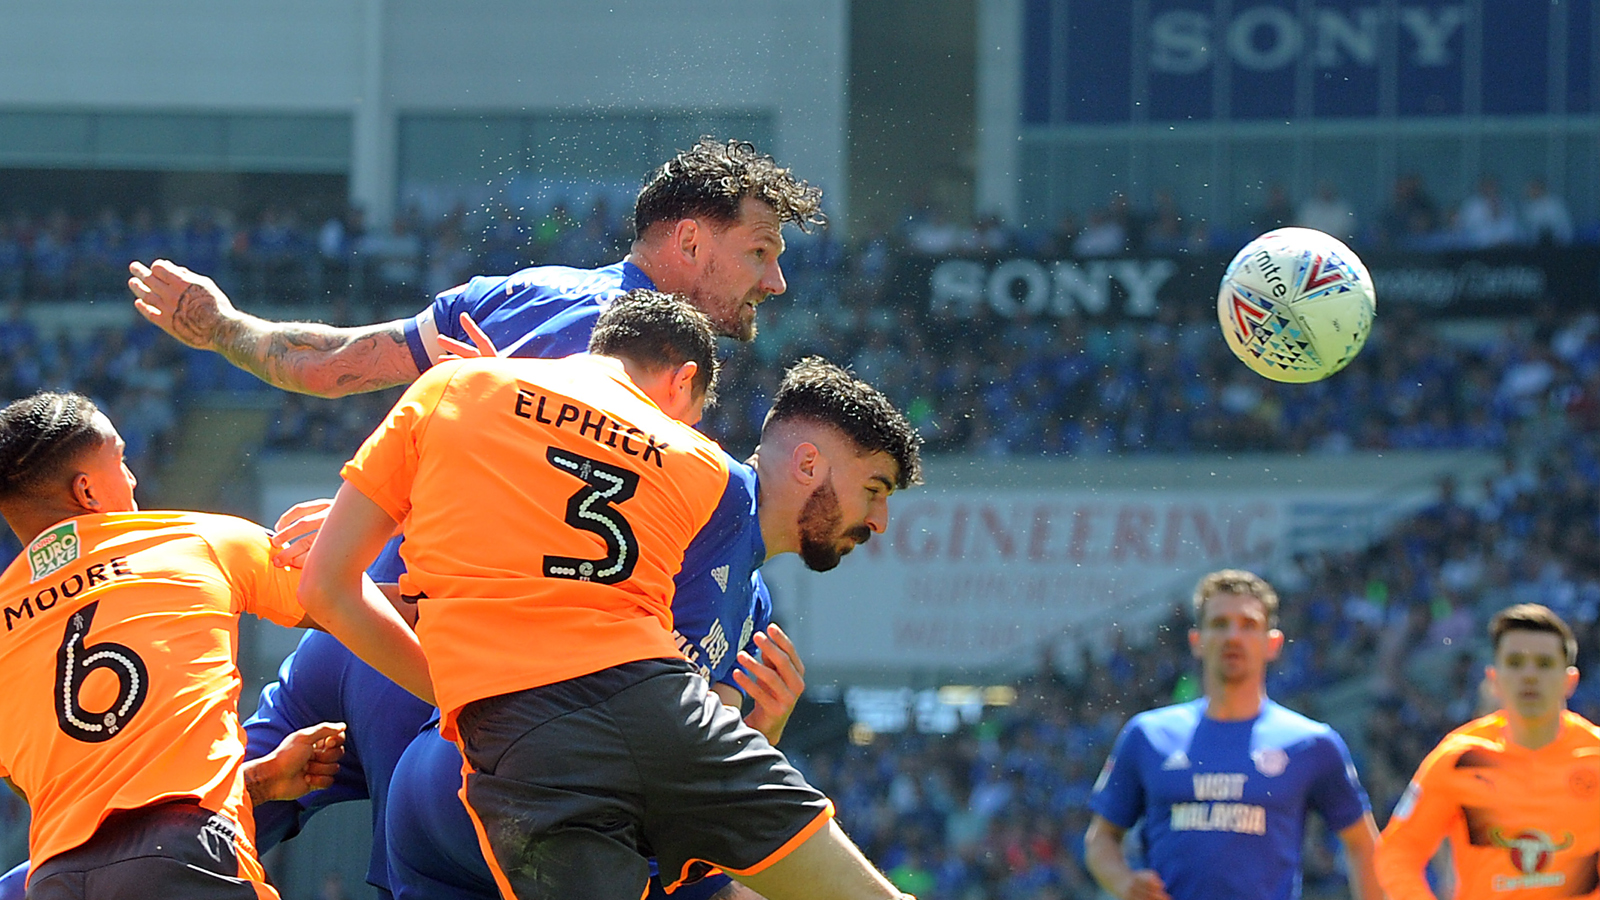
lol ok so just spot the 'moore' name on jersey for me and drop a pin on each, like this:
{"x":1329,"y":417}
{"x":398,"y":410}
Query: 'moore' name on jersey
{"x":570,"y":415}
{"x":20,"y":612}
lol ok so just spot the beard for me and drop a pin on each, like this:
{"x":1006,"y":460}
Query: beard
{"x":731,"y":317}
{"x":820,"y":531}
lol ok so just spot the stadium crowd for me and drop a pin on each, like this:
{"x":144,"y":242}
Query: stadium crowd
{"x":277,"y":254}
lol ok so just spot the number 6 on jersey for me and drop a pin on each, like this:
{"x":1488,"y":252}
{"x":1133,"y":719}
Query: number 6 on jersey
{"x":75,"y":660}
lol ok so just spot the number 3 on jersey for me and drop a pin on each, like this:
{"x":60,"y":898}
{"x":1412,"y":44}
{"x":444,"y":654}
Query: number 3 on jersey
{"x":75,"y":660}
{"x":593,"y":509}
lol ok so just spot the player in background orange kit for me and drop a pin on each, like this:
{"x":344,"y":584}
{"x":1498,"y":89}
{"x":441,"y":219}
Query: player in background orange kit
{"x":121,"y":691}
{"x":548,"y":504}
{"x":1517,"y":792}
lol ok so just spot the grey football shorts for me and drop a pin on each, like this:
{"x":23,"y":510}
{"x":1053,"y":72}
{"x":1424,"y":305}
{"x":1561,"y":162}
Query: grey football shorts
{"x":574,"y":785}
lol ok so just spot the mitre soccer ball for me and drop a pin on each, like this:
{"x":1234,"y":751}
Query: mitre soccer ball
{"x":1296,"y":305}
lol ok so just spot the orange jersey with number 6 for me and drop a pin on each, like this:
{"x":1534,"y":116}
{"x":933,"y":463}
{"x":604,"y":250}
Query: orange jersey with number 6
{"x":547,"y":505}
{"x":117,"y":656}
{"x":1522,"y":823}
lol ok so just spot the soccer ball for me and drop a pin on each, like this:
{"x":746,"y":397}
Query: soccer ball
{"x":1296,"y":305}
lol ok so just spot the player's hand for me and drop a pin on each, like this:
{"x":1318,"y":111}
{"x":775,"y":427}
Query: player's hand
{"x":774,"y":682}
{"x":481,"y":345}
{"x":296,"y":530}
{"x":187,"y":305}
{"x":304,"y":761}
{"x":1146,"y":885}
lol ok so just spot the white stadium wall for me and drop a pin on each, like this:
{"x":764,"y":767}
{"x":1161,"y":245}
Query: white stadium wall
{"x":377,"y":61}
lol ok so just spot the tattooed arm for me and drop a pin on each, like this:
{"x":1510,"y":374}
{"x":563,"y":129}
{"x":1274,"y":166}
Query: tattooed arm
{"x":307,"y":357}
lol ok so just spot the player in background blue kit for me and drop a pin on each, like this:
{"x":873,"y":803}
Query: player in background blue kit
{"x":1223,"y":784}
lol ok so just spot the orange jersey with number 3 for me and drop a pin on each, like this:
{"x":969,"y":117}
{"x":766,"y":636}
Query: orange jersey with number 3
{"x":547,"y":505}
{"x":1523,"y":824}
{"x":117,"y":655}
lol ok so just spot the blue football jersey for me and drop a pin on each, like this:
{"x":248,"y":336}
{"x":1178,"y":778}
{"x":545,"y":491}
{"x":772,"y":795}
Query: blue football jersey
{"x":1224,"y":804}
{"x":719,"y":600}
{"x":544,"y":312}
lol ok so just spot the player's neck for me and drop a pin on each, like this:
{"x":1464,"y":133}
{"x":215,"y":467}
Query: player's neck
{"x":644,"y":258}
{"x":1532,"y":734}
{"x":1234,"y":702}
{"x":28,"y":523}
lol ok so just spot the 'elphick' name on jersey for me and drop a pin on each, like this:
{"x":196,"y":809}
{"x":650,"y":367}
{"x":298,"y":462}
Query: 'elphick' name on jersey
{"x":532,"y":405}
{"x":1217,"y":808}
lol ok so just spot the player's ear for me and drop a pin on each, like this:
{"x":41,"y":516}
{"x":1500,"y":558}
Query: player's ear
{"x":807,"y":462}
{"x":1274,"y":644}
{"x":83,"y":492}
{"x":686,"y":239}
{"x":1194,"y":642}
{"x":1572,"y":680}
{"x":682,"y":384}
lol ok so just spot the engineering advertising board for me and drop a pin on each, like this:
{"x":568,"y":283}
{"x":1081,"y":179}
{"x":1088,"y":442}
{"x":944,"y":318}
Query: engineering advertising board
{"x":982,"y":578}
{"x":1090,"y":61}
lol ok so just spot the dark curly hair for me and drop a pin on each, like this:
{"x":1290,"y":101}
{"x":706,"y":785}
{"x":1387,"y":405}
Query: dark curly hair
{"x":659,"y":330}
{"x":41,"y":435}
{"x":819,"y":391}
{"x":711,"y":179}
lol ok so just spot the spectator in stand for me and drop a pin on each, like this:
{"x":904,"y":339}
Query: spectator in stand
{"x":1104,"y":235}
{"x":1276,"y":212}
{"x":1328,"y":212}
{"x":1411,"y":217}
{"x":1485,"y":219}
{"x":1545,"y":220}
{"x":1166,"y":231}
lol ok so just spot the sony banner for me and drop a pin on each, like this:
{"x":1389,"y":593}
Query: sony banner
{"x":1091,"y":61}
{"x":1505,"y":282}
{"x":980,"y":579}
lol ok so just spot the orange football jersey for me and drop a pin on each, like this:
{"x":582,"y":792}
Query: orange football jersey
{"x":117,"y":655}
{"x":547,"y":505}
{"x":1522,"y":823}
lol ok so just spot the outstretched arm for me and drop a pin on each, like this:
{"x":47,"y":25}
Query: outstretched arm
{"x":307,"y":357}
{"x":336,"y":592}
